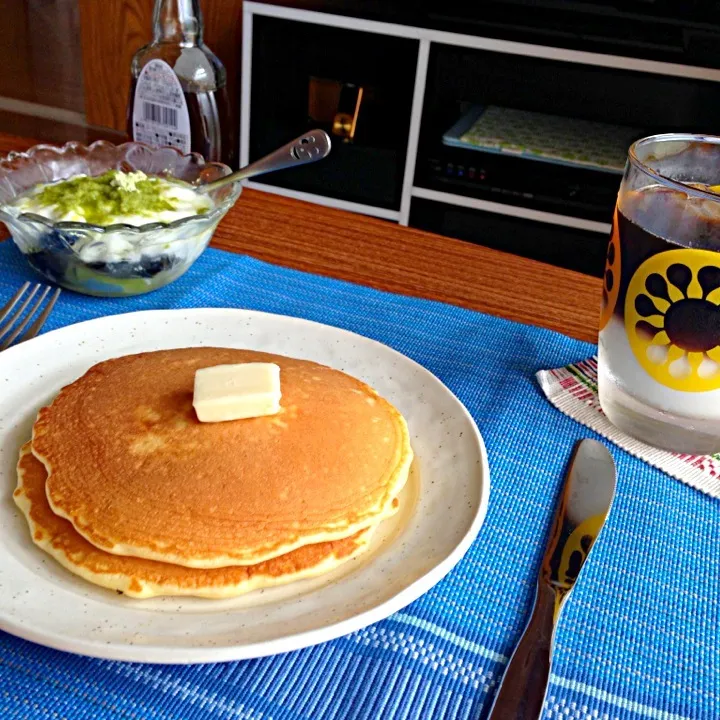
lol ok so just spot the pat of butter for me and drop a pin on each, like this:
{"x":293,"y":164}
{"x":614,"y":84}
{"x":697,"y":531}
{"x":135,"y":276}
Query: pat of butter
{"x":235,"y":392}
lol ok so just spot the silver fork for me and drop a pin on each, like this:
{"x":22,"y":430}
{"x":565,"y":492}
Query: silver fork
{"x":12,"y":321}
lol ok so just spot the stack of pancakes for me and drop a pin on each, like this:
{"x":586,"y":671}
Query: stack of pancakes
{"x":126,"y":488}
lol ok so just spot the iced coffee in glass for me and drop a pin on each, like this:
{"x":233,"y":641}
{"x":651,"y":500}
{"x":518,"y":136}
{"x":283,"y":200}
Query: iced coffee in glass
{"x":659,"y":346}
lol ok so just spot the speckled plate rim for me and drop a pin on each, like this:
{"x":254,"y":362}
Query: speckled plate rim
{"x":127,"y":333}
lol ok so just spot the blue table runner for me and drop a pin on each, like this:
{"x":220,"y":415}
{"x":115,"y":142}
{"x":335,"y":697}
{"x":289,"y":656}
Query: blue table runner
{"x":639,"y":637}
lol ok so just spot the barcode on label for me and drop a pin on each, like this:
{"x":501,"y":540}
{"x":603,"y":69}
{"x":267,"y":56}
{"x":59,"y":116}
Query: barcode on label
{"x":160,"y":114}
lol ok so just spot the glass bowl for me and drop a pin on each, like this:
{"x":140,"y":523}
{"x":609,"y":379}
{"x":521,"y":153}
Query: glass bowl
{"x":112,"y":260}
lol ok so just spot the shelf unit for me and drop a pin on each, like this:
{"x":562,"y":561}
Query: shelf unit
{"x":426,"y":38}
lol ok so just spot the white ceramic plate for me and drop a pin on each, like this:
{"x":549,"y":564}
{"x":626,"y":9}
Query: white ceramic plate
{"x":443,"y":505}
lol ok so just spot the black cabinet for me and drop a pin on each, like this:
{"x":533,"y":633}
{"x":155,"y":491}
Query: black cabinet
{"x":471,"y":120}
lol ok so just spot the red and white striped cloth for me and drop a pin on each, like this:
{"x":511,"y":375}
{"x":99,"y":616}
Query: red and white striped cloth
{"x":573,"y":390}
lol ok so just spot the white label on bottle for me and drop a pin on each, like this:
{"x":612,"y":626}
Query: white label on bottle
{"x":160,"y":112}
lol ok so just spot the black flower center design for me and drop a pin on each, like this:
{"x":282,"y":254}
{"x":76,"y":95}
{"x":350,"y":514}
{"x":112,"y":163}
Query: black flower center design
{"x":693,"y":325}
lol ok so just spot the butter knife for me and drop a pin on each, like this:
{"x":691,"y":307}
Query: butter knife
{"x":587,"y":495}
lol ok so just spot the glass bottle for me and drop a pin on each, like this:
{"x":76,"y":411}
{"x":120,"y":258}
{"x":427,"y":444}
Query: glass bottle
{"x":178,"y":95}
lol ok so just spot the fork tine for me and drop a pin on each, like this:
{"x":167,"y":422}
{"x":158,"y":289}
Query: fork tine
{"x":8,"y":325}
{"x":35,"y":328}
{"x":21,"y":326}
{"x":7,"y":309}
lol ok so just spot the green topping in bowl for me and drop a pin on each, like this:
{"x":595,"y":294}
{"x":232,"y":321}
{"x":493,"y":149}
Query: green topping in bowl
{"x":115,"y":193}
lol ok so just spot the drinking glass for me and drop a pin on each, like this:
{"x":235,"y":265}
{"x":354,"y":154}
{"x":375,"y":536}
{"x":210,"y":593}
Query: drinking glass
{"x":659,"y":345}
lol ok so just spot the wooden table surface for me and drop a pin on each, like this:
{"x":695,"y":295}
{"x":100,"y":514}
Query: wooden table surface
{"x":386,"y":256}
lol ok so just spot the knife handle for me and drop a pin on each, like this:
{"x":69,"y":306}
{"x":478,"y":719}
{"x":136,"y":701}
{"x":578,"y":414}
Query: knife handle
{"x":522,"y":689}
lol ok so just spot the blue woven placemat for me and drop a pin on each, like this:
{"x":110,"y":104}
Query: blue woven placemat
{"x":640,"y":637}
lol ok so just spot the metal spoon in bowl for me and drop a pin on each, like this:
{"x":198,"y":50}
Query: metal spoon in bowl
{"x":308,"y":148}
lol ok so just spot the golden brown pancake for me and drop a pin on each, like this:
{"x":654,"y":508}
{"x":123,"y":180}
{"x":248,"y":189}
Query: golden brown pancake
{"x":147,"y":578}
{"x":137,"y":474}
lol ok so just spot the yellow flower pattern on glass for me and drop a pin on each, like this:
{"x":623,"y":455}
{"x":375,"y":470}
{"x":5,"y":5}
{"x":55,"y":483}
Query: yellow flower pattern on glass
{"x":611,"y":278}
{"x":672,"y":318}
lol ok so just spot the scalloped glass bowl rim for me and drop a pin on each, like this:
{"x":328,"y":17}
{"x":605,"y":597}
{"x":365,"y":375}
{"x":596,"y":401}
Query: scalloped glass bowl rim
{"x":218,"y":210}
